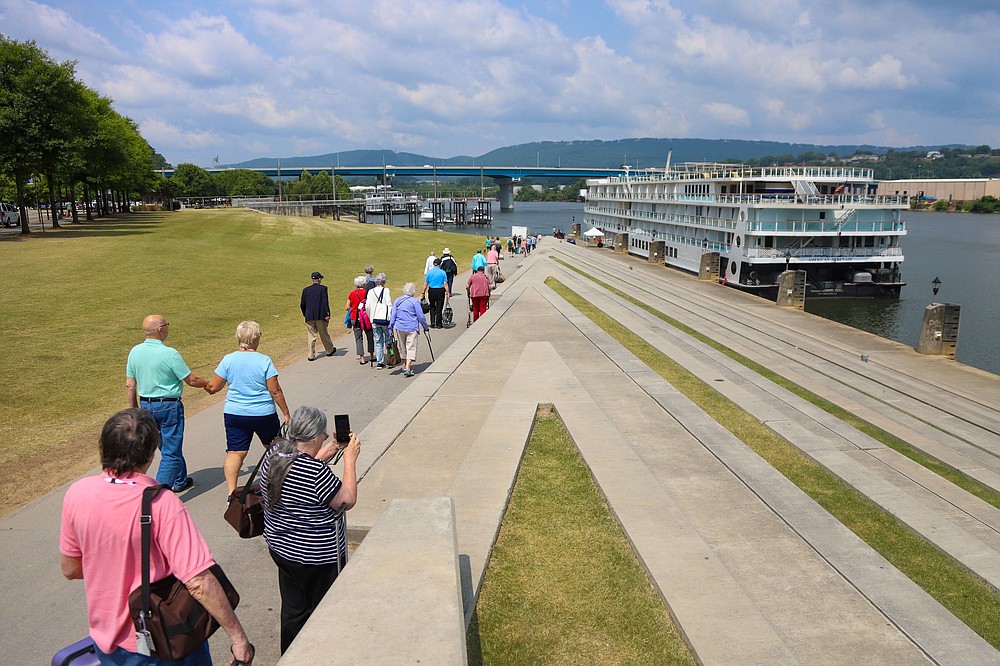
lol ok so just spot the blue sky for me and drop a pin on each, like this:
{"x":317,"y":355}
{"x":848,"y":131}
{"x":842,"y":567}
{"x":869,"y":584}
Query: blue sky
{"x":256,"y":78}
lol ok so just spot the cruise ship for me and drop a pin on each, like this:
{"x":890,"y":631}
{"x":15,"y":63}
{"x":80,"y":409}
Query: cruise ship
{"x":824,"y":220}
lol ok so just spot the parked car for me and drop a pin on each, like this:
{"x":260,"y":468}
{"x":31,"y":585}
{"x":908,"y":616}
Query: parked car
{"x":9,"y":215}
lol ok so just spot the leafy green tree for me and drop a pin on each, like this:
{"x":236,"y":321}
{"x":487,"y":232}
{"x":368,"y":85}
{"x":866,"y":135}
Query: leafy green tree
{"x":194,"y":181}
{"x":244,"y":183}
{"x":33,"y":114}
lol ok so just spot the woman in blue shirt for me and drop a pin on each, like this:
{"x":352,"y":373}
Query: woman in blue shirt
{"x":250,"y":403}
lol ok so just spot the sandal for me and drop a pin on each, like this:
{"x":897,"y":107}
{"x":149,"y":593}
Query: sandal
{"x":240,"y":662}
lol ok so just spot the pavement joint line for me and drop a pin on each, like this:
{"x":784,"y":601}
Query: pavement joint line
{"x":921,"y":618}
{"x":688,"y":285}
{"x":974,"y":453}
{"x":824,"y":419}
{"x":727,"y":323}
{"x":837,"y":398}
{"x":924,"y":519}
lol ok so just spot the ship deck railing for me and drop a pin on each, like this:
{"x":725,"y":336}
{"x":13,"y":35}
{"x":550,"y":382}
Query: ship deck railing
{"x":772,"y":226}
{"x":828,"y":200}
{"x":714,"y":170}
{"x":822,"y":252}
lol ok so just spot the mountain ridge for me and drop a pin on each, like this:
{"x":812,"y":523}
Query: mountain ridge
{"x":637,"y":152}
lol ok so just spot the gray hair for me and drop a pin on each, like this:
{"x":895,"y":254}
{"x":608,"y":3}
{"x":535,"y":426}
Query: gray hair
{"x":247,"y":333}
{"x":380,"y":279}
{"x":409,"y":289}
{"x":307,"y":423}
{"x":369,"y":269}
{"x":360,"y":281}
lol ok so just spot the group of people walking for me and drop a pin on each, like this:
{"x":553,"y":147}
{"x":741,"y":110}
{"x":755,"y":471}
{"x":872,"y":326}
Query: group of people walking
{"x":304,"y":501}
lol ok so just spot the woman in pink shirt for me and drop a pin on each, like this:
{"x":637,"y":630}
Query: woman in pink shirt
{"x":492,"y":264}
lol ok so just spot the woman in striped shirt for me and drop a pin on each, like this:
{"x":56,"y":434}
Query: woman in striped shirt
{"x":304,"y":506}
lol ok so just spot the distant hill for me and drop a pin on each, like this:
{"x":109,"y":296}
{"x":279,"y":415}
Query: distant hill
{"x":356,"y":158}
{"x":639,"y":153}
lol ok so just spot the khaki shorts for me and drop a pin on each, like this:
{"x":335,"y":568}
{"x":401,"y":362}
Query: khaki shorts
{"x":408,"y":344}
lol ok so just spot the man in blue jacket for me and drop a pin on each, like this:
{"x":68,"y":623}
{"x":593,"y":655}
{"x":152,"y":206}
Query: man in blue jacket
{"x":315,"y":306}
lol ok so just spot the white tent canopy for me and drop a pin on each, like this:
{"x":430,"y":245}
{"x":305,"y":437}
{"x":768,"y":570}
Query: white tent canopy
{"x":593,"y":232}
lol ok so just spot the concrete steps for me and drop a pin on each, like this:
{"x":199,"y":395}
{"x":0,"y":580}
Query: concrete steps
{"x":937,"y":516}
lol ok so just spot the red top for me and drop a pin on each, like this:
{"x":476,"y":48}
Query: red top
{"x":479,"y":285}
{"x":356,"y":298}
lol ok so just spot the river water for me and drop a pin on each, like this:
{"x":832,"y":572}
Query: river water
{"x":961,"y":249}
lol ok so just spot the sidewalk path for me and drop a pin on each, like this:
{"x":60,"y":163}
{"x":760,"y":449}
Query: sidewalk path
{"x":41,"y":612}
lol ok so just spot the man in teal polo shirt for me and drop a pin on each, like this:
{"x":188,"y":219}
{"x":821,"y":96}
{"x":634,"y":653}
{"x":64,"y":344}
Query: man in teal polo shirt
{"x":155,"y":375}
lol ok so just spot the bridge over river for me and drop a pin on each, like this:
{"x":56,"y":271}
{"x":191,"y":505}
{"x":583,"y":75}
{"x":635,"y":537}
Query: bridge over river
{"x":503,"y":176}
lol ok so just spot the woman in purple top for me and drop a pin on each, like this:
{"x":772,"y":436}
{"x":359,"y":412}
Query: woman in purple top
{"x":407,"y":319}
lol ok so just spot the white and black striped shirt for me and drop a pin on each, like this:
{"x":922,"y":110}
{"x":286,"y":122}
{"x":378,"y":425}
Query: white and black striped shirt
{"x":302,"y":527}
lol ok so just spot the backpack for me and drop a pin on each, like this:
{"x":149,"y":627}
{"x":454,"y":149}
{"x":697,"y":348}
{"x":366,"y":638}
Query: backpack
{"x":449,"y":266}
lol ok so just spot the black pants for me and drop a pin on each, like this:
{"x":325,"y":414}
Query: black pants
{"x":436,"y":297}
{"x":302,"y":587}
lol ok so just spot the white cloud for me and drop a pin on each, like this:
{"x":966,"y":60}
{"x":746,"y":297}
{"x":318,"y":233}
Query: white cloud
{"x":727,"y":114}
{"x":445,"y":77}
{"x":207,"y":50}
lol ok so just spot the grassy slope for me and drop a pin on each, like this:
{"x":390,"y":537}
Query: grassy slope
{"x":74,"y":300}
{"x":563,"y":585}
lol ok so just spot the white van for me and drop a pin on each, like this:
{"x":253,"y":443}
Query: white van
{"x":9,"y":215}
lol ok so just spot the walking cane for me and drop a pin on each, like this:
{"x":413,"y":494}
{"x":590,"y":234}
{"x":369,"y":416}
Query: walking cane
{"x":468,"y":322}
{"x":427,"y":334}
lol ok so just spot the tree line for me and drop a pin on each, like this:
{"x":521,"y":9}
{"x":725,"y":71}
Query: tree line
{"x":63,"y":138}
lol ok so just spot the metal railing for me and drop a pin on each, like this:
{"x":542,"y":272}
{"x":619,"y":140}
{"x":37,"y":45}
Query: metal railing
{"x":822,"y":252}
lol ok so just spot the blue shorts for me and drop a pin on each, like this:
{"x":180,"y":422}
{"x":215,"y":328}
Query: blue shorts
{"x":241,"y":429}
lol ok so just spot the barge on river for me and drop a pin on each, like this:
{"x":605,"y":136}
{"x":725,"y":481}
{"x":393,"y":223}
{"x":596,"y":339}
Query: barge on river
{"x":826,"y":221}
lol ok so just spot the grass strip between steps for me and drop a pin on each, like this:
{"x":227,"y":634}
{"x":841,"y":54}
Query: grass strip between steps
{"x":563,"y":585}
{"x":964,"y":594}
{"x":957,"y":477}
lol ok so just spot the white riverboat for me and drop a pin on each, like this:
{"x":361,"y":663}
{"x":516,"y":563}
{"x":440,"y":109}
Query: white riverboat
{"x":384,"y":198}
{"x":825,"y":220}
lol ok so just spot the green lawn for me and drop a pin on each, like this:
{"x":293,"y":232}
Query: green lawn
{"x":563,"y":585}
{"x":74,"y":301}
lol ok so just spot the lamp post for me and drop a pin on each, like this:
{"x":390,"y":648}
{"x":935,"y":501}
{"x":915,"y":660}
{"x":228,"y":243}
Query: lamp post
{"x":935,"y":285}
{"x":788,"y":258}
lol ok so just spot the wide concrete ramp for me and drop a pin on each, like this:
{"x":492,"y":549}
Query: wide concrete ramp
{"x":742,"y":583}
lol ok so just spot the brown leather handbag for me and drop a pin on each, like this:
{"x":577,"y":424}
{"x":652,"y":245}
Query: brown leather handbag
{"x":246,"y":507}
{"x":170,"y":623}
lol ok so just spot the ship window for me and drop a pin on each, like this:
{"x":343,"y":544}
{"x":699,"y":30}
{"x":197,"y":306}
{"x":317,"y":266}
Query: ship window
{"x":732,"y":267}
{"x":822,"y":215}
{"x":737,"y":241}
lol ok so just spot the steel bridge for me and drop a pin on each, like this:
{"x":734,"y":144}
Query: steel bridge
{"x":503,"y":176}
